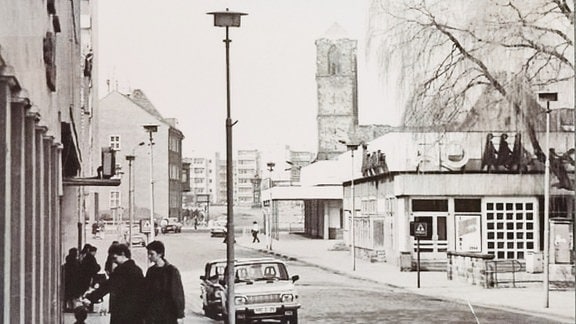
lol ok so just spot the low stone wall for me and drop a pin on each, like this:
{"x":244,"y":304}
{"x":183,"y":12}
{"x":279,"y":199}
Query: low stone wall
{"x":468,"y":267}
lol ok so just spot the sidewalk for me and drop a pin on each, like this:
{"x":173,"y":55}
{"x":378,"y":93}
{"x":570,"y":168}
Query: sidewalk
{"x":317,"y":252}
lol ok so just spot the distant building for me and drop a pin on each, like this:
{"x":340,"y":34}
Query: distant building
{"x":122,"y":117}
{"x":208,"y":176}
{"x":202,"y":179}
{"x":248,"y":167}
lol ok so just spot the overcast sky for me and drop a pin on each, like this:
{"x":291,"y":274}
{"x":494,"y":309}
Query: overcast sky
{"x":171,"y":50}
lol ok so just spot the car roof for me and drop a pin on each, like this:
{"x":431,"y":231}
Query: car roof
{"x":244,"y":260}
{"x":261,"y":260}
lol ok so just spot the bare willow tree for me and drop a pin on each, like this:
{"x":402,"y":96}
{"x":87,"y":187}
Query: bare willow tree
{"x":448,"y":50}
{"x":449,"y":53}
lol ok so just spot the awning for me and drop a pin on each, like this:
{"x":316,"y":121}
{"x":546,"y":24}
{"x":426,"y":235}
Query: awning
{"x":303,"y":193}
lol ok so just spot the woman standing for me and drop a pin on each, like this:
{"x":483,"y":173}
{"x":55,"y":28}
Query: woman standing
{"x":165,"y":294}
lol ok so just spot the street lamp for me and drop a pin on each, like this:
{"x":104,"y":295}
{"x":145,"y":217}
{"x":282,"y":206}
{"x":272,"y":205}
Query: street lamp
{"x":352,"y":148}
{"x":130,"y":159}
{"x":547,"y":96}
{"x":270,"y":165}
{"x":151,"y":129}
{"x":229,"y":19}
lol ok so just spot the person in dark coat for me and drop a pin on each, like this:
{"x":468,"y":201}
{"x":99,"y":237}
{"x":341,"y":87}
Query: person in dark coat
{"x":71,"y":275}
{"x":89,"y":267}
{"x":165,"y":293}
{"x":125,"y":286}
{"x":109,"y":265}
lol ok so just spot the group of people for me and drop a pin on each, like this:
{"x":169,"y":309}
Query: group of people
{"x":80,"y":270}
{"x":155,"y":298}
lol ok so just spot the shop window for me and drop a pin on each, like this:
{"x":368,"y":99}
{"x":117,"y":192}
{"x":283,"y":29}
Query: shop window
{"x":429,"y":205}
{"x":510,"y":233}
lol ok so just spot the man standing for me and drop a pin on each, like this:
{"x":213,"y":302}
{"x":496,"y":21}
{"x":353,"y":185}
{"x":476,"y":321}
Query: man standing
{"x":255,"y":230}
{"x":125,"y":287}
{"x":165,"y":293}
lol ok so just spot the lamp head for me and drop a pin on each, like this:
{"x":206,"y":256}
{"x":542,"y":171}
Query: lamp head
{"x":548,"y":96}
{"x":270,"y":166}
{"x":226,"y":18}
{"x":151,"y":128}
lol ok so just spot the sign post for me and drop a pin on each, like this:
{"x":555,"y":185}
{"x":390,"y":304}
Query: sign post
{"x":420,"y":230}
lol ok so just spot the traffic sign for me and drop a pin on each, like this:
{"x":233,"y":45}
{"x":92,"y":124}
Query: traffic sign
{"x":420,"y":229}
{"x":145,"y":226}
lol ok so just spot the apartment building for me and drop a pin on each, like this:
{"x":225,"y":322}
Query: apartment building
{"x":208,"y":177}
{"x":122,"y":121}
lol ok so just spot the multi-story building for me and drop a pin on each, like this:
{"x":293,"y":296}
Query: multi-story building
{"x":246,"y":171}
{"x":208,"y":177}
{"x":46,"y":125}
{"x":202,"y":180}
{"x":122,"y":121}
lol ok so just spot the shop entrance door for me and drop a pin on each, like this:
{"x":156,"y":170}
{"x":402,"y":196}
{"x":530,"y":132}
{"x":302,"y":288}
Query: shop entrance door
{"x":433,"y":246}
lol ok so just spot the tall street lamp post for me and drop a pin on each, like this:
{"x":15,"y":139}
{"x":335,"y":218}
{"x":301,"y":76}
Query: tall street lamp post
{"x":547,"y":96}
{"x":229,"y":19}
{"x":151,"y":129}
{"x":352,"y":148}
{"x":270,"y":166}
{"x":130,"y":159}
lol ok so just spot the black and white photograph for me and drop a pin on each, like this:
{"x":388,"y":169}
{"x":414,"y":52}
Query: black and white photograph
{"x":287,"y":161}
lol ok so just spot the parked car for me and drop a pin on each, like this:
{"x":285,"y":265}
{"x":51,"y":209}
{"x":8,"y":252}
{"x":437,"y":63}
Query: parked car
{"x":218,"y":228}
{"x":170,"y":224}
{"x":263,"y":290}
{"x":210,"y":283}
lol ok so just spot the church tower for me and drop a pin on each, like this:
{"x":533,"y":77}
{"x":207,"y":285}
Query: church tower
{"x":337,"y":87}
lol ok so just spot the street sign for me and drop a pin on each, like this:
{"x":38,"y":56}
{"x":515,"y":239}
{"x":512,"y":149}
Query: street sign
{"x":145,"y":226}
{"x":420,"y":229}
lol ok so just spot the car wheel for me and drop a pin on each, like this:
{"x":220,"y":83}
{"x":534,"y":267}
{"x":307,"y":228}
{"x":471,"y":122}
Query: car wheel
{"x":210,"y":312}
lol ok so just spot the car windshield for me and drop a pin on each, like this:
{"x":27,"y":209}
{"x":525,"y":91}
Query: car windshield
{"x":261,"y":271}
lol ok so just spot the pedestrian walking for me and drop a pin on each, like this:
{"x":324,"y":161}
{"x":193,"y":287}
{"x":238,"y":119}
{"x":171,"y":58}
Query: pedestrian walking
{"x":195,"y":222}
{"x":255,"y":230}
{"x":125,"y":287}
{"x":164,"y":290}
{"x":71,"y":273}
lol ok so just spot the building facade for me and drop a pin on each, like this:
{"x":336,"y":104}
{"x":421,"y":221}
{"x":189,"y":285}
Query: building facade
{"x":122,"y":121}
{"x":248,"y":168}
{"x":469,"y":202}
{"x":202,"y":180}
{"x":45,"y":130}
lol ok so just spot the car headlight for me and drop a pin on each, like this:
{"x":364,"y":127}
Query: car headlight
{"x":218,"y":294}
{"x":287,"y":298}
{"x":240,"y":300}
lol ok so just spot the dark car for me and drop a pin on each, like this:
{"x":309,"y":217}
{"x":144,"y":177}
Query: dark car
{"x":209,"y":285}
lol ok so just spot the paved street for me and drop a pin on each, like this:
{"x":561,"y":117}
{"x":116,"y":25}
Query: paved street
{"x":326,"y":296}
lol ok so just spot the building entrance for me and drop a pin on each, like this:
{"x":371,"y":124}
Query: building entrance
{"x":433,"y":246}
